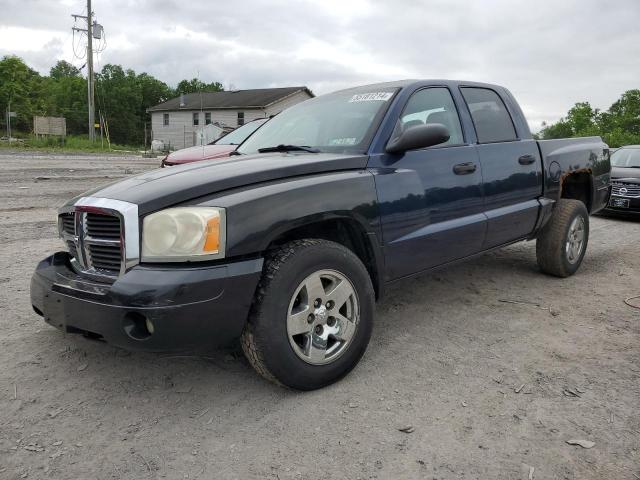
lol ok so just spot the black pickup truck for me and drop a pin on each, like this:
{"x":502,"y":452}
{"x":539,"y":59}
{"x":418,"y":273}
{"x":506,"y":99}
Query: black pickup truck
{"x":288,"y":244}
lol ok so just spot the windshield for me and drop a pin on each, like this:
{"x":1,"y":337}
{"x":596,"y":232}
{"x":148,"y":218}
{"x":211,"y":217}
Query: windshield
{"x":339,"y":122}
{"x":626,"y":157}
{"x":240,"y":134}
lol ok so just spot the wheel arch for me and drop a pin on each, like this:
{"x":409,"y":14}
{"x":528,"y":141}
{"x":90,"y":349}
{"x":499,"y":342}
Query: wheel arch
{"x":343,"y":229}
{"x":578,"y":185}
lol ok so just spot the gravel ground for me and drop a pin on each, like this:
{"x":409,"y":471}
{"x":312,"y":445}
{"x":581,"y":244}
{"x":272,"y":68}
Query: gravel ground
{"x":493,"y":365}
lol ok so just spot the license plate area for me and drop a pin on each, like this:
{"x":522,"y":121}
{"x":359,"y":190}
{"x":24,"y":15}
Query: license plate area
{"x":619,"y":202}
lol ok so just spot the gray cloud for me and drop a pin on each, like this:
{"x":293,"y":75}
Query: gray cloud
{"x":550,"y":54}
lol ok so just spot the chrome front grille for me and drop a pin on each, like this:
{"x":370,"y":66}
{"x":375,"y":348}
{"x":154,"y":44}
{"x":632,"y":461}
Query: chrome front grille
{"x":102,"y":226}
{"x":95,"y":231}
{"x":105,"y":257}
{"x":94,"y":241}
{"x":624,"y":189}
{"x":67,"y":228}
{"x":68,"y":223}
{"x":101,"y":242}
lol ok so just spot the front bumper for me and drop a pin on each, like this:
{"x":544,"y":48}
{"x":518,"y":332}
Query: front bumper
{"x":154,"y":308}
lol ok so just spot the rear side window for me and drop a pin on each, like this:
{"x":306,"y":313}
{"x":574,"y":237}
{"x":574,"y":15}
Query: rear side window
{"x":490,"y":116}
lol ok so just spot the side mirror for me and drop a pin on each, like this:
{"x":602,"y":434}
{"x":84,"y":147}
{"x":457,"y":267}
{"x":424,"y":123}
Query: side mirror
{"x":419,"y":136}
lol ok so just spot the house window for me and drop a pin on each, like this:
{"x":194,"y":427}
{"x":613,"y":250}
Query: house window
{"x":207,"y":118}
{"x":165,"y":119}
{"x":240,"y":118}
{"x":196,"y":119}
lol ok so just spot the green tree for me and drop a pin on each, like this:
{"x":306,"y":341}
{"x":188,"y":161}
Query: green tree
{"x":64,"y":94}
{"x":20,"y":87}
{"x":63,"y":69}
{"x":119,"y":99}
{"x":196,"y":85}
{"x":619,"y":125}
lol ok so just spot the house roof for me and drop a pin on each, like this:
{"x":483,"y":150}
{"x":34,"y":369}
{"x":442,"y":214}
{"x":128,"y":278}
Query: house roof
{"x":234,"y":99}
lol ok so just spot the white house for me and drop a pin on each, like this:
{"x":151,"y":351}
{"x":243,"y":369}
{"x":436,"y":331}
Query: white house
{"x":178,"y":122}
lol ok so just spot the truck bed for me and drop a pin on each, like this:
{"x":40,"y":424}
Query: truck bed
{"x":574,"y":155}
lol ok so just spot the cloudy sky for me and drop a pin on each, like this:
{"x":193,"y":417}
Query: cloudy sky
{"x":550,"y":53}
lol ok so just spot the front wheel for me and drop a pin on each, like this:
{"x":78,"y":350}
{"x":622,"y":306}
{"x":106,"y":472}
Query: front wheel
{"x":562,"y":242}
{"x":312,"y":317}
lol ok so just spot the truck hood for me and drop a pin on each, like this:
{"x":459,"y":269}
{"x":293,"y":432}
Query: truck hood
{"x":624,"y":173}
{"x":195,"y":154}
{"x":164,"y":187}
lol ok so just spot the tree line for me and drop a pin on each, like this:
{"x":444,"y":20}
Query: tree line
{"x":121,"y":95}
{"x":618,"y":126}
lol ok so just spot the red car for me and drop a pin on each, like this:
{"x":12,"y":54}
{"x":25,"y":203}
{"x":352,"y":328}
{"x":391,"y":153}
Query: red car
{"x":219,"y":148}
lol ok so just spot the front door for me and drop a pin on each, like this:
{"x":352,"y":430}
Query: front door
{"x":430,"y":200}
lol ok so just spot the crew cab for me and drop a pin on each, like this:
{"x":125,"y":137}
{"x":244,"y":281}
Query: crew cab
{"x":288,"y":244}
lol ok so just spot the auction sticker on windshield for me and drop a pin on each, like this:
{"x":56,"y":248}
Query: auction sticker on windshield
{"x":370,"y":97}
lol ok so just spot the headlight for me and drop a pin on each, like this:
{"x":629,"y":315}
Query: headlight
{"x":184,"y":234}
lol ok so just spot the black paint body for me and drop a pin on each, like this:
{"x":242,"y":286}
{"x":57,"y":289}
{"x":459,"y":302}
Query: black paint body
{"x":413,"y":211}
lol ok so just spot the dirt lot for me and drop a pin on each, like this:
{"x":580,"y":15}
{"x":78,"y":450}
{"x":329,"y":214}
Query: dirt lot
{"x":492,"y":388}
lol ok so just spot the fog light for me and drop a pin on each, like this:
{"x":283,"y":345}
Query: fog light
{"x":150,"y":326}
{"x":137,"y":326}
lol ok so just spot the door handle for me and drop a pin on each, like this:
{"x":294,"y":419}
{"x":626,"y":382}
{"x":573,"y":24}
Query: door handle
{"x":464,"y":168}
{"x":526,"y":159}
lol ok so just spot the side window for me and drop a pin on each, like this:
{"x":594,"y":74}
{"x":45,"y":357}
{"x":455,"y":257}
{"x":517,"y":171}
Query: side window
{"x":490,"y":116}
{"x":196,"y":119}
{"x":165,"y":119}
{"x":433,"y":105}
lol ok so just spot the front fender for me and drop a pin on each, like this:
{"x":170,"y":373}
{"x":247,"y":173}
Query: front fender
{"x":258,"y":214}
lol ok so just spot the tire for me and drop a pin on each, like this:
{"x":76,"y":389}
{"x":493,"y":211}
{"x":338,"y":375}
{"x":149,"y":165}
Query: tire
{"x":557,"y":251}
{"x":292,"y":276}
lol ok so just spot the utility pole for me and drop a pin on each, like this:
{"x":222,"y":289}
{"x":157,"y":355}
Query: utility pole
{"x":90,"y":76}
{"x":92,"y":116}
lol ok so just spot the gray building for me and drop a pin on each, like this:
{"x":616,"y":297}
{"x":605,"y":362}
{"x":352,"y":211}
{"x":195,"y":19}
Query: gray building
{"x":179,"y":122}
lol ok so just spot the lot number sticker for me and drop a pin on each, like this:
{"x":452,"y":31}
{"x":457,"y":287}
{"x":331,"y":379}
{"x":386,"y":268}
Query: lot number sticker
{"x":371,"y":97}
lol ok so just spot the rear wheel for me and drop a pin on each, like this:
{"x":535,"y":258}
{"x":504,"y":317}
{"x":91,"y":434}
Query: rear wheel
{"x":312,"y":317}
{"x":562,"y":242}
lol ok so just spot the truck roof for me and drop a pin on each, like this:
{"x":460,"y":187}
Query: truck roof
{"x":416,"y":82}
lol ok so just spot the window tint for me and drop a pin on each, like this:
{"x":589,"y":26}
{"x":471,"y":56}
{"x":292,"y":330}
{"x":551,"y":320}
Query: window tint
{"x":196,"y":119}
{"x":432,"y":105}
{"x":165,"y":119}
{"x":490,"y":116}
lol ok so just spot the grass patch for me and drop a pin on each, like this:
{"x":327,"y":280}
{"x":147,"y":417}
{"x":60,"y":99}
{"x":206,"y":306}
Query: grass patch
{"x":72,"y":143}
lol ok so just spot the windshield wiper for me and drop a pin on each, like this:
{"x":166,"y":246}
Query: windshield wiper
{"x":289,"y":148}
{"x":235,"y":152}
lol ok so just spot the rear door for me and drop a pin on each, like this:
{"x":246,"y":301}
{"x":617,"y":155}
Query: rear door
{"x":511,"y":168}
{"x":430,"y":200}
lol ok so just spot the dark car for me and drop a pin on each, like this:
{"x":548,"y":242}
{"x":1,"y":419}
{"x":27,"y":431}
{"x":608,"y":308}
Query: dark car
{"x":219,"y":148}
{"x":288,"y":245}
{"x":625,"y":181}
